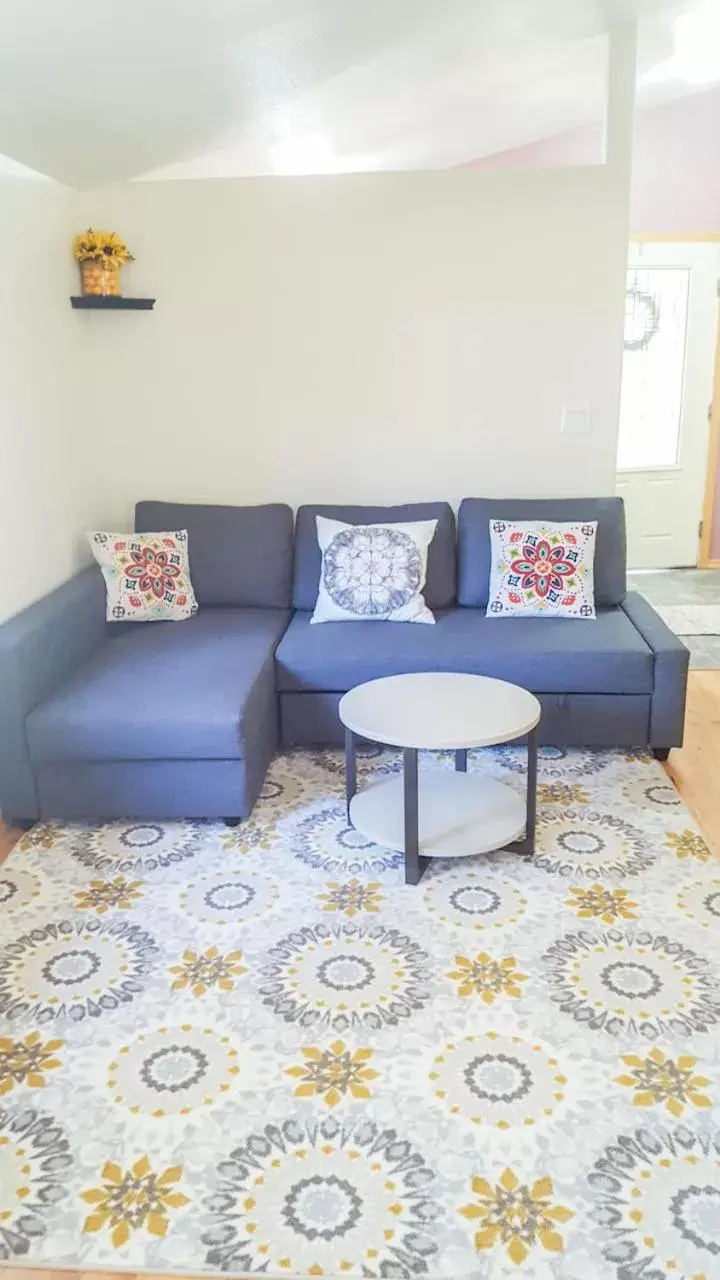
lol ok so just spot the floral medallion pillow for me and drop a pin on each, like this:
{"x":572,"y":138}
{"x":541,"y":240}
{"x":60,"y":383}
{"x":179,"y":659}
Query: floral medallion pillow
{"x":147,"y":575}
{"x":541,"y":569}
{"x":373,"y":571}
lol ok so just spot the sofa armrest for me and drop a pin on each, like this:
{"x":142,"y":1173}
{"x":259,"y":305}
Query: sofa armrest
{"x":667,"y":710}
{"x":39,"y":648}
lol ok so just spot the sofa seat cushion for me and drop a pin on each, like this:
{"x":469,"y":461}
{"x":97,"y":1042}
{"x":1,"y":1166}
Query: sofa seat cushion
{"x":546,"y":655}
{"x":198,"y":689}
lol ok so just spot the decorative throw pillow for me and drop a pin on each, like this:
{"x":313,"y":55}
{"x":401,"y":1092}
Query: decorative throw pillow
{"x":540,"y":569}
{"x":147,"y":575}
{"x":373,"y":571}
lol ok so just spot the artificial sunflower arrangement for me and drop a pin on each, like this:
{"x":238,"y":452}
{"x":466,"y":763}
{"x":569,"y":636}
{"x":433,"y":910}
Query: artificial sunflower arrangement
{"x":101,"y":246}
{"x":100,"y":255}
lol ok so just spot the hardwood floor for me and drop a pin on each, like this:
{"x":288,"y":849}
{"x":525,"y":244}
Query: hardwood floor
{"x":22,"y":1273}
{"x":8,"y":837}
{"x":695,"y":770}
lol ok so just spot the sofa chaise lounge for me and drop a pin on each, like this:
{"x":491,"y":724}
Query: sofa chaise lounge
{"x":167,"y":719}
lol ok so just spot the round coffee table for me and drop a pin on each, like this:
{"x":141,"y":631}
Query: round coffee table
{"x":443,"y":814}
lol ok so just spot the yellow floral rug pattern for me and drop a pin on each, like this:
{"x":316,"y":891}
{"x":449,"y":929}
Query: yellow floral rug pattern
{"x":258,"y":1051}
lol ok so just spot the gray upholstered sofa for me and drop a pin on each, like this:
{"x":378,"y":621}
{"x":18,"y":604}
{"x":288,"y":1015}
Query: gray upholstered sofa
{"x":182,"y":719}
{"x":173,"y":719}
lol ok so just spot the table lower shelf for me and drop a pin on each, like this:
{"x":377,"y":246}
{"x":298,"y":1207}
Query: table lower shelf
{"x":460,"y":814}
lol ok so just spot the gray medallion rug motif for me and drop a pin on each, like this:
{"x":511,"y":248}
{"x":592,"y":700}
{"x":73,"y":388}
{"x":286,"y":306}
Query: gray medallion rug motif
{"x":257,"y":1051}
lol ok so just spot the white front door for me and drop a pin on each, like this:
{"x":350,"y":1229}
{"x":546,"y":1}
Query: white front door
{"x":670,"y":336}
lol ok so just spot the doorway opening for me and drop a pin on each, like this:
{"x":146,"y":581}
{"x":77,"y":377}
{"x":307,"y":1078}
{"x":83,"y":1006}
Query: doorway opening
{"x":667,"y":468}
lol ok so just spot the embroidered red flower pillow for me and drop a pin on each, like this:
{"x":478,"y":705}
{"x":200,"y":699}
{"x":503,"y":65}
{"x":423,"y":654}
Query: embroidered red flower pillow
{"x":147,"y":575}
{"x":541,"y":569}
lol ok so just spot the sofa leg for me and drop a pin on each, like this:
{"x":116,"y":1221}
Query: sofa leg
{"x":661,"y":753}
{"x":232,"y":822}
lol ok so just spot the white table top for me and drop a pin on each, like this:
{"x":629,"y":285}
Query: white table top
{"x":437,"y":710}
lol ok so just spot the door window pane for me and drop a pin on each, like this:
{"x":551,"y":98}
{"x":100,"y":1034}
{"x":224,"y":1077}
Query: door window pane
{"x":656,"y":309}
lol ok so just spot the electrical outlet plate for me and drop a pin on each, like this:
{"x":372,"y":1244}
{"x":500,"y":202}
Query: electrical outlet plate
{"x":576,"y":419}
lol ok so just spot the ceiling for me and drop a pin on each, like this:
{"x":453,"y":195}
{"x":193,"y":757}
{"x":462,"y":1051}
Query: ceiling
{"x":93,"y":92}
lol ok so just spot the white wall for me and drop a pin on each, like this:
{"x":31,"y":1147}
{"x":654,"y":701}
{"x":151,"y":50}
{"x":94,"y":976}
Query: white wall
{"x":356,"y":338}
{"x":366,"y":338}
{"x":46,"y":485}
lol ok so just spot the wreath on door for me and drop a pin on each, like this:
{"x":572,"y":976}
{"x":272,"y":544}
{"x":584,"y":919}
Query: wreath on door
{"x":642,"y":319}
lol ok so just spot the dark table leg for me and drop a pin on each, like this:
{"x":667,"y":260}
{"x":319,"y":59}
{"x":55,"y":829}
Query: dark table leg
{"x":350,"y":769}
{"x":532,"y":748}
{"x":461,"y":761}
{"x":526,"y":846}
{"x":415,"y":864}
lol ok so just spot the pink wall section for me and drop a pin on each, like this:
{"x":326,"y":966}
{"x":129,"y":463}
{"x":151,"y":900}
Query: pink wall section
{"x":676,"y":167}
{"x":676,"y":164}
{"x":579,"y":147}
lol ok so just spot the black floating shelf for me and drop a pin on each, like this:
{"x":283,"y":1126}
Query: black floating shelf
{"x":108,"y":302}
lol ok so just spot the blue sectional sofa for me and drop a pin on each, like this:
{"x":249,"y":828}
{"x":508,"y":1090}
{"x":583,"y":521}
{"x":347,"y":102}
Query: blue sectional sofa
{"x":181,"y":719}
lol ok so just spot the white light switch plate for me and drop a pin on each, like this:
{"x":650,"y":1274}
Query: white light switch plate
{"x":576,"y":419}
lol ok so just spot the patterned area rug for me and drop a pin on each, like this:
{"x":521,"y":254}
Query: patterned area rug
{"x":691,"y":619}
{"x":259,"y":1051}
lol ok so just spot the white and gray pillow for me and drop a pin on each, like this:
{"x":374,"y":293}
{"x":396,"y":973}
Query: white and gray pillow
{"x":373,"y":572}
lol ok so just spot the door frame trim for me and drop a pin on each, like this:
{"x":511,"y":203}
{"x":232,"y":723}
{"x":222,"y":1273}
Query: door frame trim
{"x":676,"y":237}
{"x":712,"y":471}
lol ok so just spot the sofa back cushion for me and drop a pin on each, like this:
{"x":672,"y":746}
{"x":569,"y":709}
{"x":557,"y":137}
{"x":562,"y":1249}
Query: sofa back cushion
{"x":239,"y":556}
{"x":439,"y":590}
{"x":474,"y":555}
